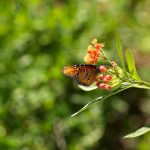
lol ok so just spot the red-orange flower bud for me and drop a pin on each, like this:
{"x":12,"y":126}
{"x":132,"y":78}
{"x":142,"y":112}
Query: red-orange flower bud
{"x":102,"y":68}
{"x":101,"y":76}
{"x":107,"y":87}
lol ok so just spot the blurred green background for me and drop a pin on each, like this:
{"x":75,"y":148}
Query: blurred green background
{"x":37,"y":39}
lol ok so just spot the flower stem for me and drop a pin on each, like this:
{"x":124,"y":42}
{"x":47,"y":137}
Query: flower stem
{"x":142,"y":84}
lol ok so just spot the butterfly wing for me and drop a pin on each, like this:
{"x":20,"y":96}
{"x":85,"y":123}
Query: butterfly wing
{"x":87,"y":75}
{"x":71,"y":71}
{"x":82,"y":74}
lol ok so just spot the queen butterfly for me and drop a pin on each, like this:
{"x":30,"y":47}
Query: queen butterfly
{"x":82,"y":74}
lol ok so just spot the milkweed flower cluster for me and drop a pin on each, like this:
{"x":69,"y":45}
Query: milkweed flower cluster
{"x":94,"y":54}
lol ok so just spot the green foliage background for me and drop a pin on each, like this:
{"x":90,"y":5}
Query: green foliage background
{"x":37,"y":39}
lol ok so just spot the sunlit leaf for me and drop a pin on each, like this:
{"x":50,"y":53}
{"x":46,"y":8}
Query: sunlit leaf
{"x":120,"y":53}
{"x":131,"y":65}
{"x":138,"y":132}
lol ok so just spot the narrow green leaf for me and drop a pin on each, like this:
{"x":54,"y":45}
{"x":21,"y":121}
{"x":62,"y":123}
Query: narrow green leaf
{"x":120,"y":53}
{"x":100,"y":99}
{"x":131,"y":65}
{"x":138,"y":132}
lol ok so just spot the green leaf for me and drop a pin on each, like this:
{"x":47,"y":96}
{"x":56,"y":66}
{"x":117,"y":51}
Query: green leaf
{"x":124,"y":87}
{"x":120,"y":53}
{"x":138,"y":132}
{"x":89,"y":88}
{"x":131,"y":65}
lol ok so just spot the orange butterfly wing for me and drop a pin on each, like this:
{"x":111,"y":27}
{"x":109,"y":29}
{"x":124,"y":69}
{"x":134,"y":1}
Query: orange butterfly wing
{"x":87,"y":75}
{"x":71,"y":71}
{"x":82,"y":74}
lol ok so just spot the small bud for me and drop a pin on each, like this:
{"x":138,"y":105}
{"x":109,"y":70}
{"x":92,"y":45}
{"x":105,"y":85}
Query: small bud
{"x":108,"y":77}
{"x":101,"y":76}
{"x":102,"y":85}
{"x":105,"y":80}
{"x":107,"y":87}
{"x":102,"y":68}
{"x":114,"y":64}
{"x":94,"y":41}
{"x":90,"y":48}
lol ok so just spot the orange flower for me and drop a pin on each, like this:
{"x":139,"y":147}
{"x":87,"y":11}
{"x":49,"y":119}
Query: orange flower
{"x":93,"y":52}
{"x":87,"y":59}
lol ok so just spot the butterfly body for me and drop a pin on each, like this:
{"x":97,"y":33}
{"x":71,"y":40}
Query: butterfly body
{"x":82,"y":74}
